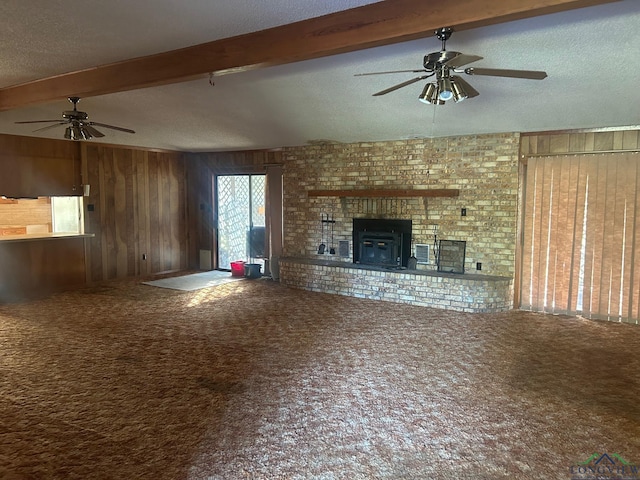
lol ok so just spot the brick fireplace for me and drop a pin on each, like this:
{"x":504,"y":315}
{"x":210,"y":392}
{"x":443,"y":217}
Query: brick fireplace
{"x":483,"y":168}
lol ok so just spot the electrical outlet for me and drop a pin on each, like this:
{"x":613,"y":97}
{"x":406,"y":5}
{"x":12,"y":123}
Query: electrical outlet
{"x":463,"y":212}
{"x":478,"y":266}
{"x":144,"y":256}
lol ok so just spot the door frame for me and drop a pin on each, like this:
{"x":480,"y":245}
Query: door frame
{"x":216,"y":212}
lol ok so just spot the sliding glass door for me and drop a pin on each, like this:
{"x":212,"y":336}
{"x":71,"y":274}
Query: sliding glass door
{"x":241,"y":219}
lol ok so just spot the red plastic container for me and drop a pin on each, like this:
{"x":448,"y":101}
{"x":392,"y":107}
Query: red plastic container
{"x":237,"y":269}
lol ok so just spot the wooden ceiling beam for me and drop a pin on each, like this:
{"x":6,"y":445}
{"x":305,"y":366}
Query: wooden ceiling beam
{"x":382,"y":23}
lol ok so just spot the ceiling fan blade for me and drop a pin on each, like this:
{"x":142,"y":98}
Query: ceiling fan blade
{"x":111,"y":127}
{"x":471,"y":92}
{"x":40,"y":121}
{"x":92,"y":131}
{"x":400,"y":85}
{"x":391,"y":71}
{"x":497,"y":72}
{"x":50,"y":126}
{"x":461,"y":60}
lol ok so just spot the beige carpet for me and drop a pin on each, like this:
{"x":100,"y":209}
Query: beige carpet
{"x":251,"y":380}
{"x":194,"y":281}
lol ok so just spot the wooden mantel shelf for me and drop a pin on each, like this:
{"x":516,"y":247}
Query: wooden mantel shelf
{"x":375,"y":193}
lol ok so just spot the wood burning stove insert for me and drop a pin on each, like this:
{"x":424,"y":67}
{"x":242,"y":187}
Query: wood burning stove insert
{"x":382,"y":242}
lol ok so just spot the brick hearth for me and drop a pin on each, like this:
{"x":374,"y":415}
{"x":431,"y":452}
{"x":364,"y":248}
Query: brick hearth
{"x":463,"y":293}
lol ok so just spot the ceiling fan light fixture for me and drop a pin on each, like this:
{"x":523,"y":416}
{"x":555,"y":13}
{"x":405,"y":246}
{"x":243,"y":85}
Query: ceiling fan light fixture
{"x":459,"y":93}
{"x":73,"y":132}
{"x":435,"y":98}
{"x":78,"y":126}
{"x":428,"y":93}
{"x":445,"y":90}
{"x":76,"y":132}
{"x":443,"y":65}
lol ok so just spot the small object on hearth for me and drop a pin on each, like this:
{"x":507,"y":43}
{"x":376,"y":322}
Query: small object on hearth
{"x":322,"y":246}
{"x":252,"y":270}
{"x":237,"y":268}
{"x":332,"y":250}
{"x":451,"y":256}
{"x":412,"y":263}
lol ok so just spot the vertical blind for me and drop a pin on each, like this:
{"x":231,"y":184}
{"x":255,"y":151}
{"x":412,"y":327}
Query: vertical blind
{"x":581,"y":236}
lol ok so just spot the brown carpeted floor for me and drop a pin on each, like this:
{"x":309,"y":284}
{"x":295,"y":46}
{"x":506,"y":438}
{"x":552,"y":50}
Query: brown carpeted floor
{"x":251,"y":380}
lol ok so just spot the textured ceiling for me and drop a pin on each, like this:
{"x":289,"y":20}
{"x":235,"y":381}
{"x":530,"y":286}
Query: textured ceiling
{"x":591,"y":56}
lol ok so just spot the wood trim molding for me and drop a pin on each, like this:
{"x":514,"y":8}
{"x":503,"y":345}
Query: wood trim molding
{"x":582,"y":130}
{"x":376,"y":24}
{"x":370,"y":193}
{"x":579,"y":143}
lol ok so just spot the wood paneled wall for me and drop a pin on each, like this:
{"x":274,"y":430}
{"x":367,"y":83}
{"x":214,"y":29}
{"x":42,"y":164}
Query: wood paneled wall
{"x":202,"y":169}
{"x":37,"y":267}
{"x":579,"y":142}
{"x":136,"y":210}
{"x":34,"y":167}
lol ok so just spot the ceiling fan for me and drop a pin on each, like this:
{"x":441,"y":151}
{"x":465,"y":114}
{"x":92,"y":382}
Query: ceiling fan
{"x":442,"y":65}
{"x":79,"y":127}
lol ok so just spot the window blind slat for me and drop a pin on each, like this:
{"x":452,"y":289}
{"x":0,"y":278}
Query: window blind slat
{"x":575,"y":284}
{"x":553,"y":237}
{"x":634,"y":274}
{"x":537,"y":267}
{"x":564,"y":226}
{"x":627,"y":179}
{"x":592,"y":240}
{"x":546,"y":202}
{"x":611,"y":241}
{"x":529,"y":213}
{"x":616,"y":238}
